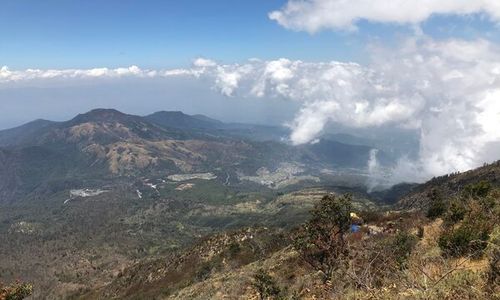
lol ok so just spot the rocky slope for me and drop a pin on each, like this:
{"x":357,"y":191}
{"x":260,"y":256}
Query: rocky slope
{"x":82,"y":200}
{"x":393,"y":255}
{"x":449,"y":185}
{"x":107,"y":144}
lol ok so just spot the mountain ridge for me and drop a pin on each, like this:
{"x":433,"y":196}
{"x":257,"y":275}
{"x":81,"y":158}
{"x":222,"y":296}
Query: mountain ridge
{"x":420,"y":196}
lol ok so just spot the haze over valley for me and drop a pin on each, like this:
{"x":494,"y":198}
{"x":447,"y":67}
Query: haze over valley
{"x":268,"y":149}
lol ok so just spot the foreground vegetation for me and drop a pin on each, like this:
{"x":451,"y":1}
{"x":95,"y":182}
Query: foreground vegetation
{"x":254,"y":245}
{"x":341,"y":252}
{"x":453,"y":255}
{"x":15,"y":291}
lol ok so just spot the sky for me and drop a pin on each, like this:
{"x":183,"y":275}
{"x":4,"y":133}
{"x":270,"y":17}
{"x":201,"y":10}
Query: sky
{"x":167,"y":33}
{"x":152,"y":34}
{"x":429,"y":66}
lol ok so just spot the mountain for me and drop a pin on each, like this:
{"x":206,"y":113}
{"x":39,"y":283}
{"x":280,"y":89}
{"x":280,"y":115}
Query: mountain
{"x":83,"y":199}
{"x":24,"y":133}
{"x":23,"y":171}
{"x":177,"y":119}
{"x":105,"y":144}
{"x":342,"y":155}
{"x":109,"y":204}
{"x":420,"y":196}
{"x":111,"y":143}
{"x":112,"y":125}
{"x":385,"y":255}
{"x":100,"y":144}
{"x":204,"y":124}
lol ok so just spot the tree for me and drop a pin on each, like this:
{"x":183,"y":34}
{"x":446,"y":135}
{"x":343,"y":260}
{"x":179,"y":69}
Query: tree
{"x":321,"y":241}
{"x":266,"y":286}
{"x":16,"y":291}
{"x":478,"y":190}
{"x":437,"y":204}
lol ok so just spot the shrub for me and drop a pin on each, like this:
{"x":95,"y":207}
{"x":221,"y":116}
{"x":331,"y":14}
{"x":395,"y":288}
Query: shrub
{"x":467,"y":239}
{"x":402,"y":245}
{"x":437,"y":204}
{"x":456,"y":212}
{"x":420,"y":232}
{"x":458,"y":285}
{"x":470,"y":219}
{"x":321,"y":240}
{"x":16,"y":291}
{"x":205,"y":269}
{"x":371,"y":216}
{"x":234,"y":249}
{"x":493,"y":254}
{"x":266,"y":286}
{"x":478,"y":190}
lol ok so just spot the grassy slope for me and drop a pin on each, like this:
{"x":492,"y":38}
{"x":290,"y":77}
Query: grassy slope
{"x":449,"y":185}
{"x":377,"y":269}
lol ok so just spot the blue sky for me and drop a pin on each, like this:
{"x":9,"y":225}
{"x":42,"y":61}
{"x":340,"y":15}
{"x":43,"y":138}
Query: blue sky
{"x":429,"y":66}
{"x":84,"y":34}
{"x":164,"y":34}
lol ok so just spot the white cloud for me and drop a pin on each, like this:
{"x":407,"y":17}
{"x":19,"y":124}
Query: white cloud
{"x":315,"y":15}
{"x":203,"y":62}
{"x":448,"y":90}
{"x":9,"y":76}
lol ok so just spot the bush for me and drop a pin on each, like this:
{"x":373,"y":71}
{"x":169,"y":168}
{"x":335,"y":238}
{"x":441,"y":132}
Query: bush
{"x":459,"y":285}
{"x":493,"y":255}
{"x":371,"y":216}
{"x":402,"y":245}
{"x":437,"y":204}
{"x":420,"y":232}
{"x":478,"y":190}
{"x":470,"y":219}
{"x":17,"y":291}
{"x":234,"y":249}
{"x":467,"y":239}
{"x":205,"y":269}
{"x":456,"y":212}
{"x":266,"y":286}
{"x":321,"y":240}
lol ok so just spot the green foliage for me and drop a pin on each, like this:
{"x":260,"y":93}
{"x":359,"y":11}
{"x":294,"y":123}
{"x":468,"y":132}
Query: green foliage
{"x":437,"y":204}
{"x":470,"y":236}
{"x":333,"y":212}
{"x":464,"y":240}
{"x":458,"y":285}
{"x":470,"y":220}
{"x":321,"y":240}
{"x":402,"y":245}
{"x":478,"y":190}
{"x":16,"y":291}
{"x":420,"y":232}
{"x":204,"y":271}
{"x":266,"y":286}
{"x":234,"y":249}
{"x":493,"y":255}
{"x":456,"y":212}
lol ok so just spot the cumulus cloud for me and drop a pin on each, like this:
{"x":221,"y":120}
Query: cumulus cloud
{"x":447,"y":90}
{"x":315,"y":15}
{"x":7,"y":75}
{"x":347,"y":93}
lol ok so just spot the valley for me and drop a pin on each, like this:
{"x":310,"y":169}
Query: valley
{"x":85,"y":199}
{"x":253,"y":150}
{"x":109,"y":205}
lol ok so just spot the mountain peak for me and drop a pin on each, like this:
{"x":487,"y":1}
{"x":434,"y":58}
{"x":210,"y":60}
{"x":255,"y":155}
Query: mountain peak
{"x":100,"y":115}
{"x":172,"y":113}
{"x":178,"y":119}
